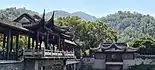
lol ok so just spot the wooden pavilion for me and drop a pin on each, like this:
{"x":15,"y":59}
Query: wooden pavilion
{"x":42,"y":35}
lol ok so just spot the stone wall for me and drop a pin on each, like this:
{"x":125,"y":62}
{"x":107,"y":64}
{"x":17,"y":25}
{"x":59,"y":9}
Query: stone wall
{"x":137,"y":61}
{"x":46,"y":64}
{"x":12,"y":66}
{"x":99,"y":64}
{"x":127,"y":63}
{"x":95,"y":64}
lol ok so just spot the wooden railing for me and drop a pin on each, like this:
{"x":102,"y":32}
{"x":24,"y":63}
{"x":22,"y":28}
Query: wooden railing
{"x":48,"y":53}
{"x":145,"y":56}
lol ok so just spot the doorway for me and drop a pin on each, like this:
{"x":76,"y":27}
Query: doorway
{"x":114,"y":67}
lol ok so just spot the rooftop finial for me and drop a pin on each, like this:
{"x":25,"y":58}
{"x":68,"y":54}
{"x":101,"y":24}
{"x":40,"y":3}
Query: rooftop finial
{"x":43,"y":14}
{"x":53,"y":15}
{"x":43,"y":18}
{"x":51,"y":21}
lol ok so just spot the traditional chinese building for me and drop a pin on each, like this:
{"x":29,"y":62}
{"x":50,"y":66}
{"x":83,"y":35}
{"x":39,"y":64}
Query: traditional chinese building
{"x":48,"y":46}
{"x":113,"y":56}
{"x":45,"y":31}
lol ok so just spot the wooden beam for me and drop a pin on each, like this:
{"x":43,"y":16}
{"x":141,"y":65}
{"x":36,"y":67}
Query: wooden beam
{"x":53,"y":47}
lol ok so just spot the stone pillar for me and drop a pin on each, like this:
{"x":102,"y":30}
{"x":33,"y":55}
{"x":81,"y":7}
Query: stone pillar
{"x":74,"y":67}
{"x":29,"y":65}
{"x":36,"y":65}
{"x":43,"y":68}
{"x":64,"y":67}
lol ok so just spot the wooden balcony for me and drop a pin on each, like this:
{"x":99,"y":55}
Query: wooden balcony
{"x":32,"y":53}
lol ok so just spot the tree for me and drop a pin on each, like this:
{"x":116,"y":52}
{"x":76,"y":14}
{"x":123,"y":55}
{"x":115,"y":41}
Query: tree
{"x":130,"y":25}
{"x":87,"y":33}
{"x":147,"y":45}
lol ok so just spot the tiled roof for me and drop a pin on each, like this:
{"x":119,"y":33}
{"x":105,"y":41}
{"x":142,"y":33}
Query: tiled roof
{"x":29,"y":17}
{"x":13,"y":25}
{"x":115,"y":47}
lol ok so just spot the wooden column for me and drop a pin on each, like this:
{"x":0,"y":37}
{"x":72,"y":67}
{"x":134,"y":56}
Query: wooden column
{"x":32,"y":43}
{"x":4,"y":40}
{"x":59,"y":44}
{"x":63,"y":45}
{"x":47,"y":41}
{"x":17,"y":45}
{"x":11,"y":44}
{"x":37,"y":39}
{"x":40,"y":42}
{"x":53,"y":47}
{"x":8,"y":44}
{"x":29,"y":42}
{"x":43,"y":67}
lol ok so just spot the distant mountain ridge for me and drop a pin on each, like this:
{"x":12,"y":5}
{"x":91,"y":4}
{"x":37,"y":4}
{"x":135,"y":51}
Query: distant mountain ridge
{"x":13,"y":12}
{"x":60,"y":13}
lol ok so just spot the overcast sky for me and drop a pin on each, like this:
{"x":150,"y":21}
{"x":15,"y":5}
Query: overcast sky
{"x":96,"y":8}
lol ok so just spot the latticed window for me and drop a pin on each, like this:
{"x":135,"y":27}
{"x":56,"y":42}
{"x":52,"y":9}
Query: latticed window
{"x":100,"y":56}
{"x":113,"y":57}
{"x":128,"y":56}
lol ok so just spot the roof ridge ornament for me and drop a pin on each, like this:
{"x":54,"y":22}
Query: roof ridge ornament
{"x":43,"y":18}
{"x":50,"y":23}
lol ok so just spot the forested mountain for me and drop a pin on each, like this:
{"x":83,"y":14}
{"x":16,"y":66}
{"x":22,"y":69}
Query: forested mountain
{"x":83,"y":15}
{"x":130,"y":25}
{"x":60,"y":13}
{"x":12,"y":13}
